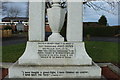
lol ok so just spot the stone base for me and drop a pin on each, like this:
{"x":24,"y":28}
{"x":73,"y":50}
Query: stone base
{"x":55,"y":37}
{"x":24,"y":71}
{"x":55,"y":78}
{"x":55,"y":53}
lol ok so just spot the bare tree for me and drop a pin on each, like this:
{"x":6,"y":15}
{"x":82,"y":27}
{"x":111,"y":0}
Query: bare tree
{"x":13,"y":11}
{"x":3,"y":6}
{"x":113,"y":6}
{"x":0,"y":7}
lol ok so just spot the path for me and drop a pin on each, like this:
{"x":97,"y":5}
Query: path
{"x":14,"y":41}
{"x":17,"y":39}
{"x":22,"y":38}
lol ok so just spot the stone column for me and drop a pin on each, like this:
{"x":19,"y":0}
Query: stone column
{"x":75,"y":21}
{"x":36,"y":21}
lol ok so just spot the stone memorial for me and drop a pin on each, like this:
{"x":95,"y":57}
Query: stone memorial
{"x":55,"y":58}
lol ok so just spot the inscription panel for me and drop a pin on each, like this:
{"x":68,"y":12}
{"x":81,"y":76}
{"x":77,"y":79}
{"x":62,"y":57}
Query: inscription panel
{"x":52,"y":73}
{"x":56,"y":50}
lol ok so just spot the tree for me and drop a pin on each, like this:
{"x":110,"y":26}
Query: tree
{"x":9,"y":10}
{"x":102,"y":20}
{"x":113,"y":5}
{"x":3,"y":6}
{"x":13,"y":11}
{"x":91,"y":3}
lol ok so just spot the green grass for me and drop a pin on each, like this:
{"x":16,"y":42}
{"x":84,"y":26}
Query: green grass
{"x":0,"y":53}
{"x":99,"y":51}
{"x":103,"y":51}
{"x":12,"y":52}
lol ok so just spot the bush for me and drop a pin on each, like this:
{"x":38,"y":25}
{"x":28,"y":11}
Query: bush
{"x":7,"y":28}
{"x":100,"y":31}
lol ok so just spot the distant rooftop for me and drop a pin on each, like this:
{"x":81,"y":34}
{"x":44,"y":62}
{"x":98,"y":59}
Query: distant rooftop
{"x":15,"y":19}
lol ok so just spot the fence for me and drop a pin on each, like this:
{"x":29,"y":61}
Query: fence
{"x":5,"y":33}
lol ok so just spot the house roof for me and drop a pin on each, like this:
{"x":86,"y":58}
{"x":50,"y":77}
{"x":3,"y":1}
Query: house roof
{"x":9,"y":19}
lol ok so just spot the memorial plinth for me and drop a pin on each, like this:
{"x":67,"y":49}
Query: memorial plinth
{"x":55,"y":58}
{"x":53,"y":71}
{"x":55,"y":53}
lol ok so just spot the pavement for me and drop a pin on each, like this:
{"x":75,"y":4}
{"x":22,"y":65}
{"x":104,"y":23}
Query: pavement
{"x":5,"y":64}
{"x":114,"y":68}
{"x":15,"y":39}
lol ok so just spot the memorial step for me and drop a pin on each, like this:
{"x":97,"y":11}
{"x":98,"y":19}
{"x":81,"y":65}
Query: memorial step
{"x":30,"y":71}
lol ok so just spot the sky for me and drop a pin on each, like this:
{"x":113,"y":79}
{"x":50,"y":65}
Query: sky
{"x":89,"y":15}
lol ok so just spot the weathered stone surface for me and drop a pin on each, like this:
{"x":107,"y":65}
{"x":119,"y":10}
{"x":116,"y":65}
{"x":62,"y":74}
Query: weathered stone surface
{"x":75,"y":21}
{"x":56,"y":17}
{"x":55,"y":53}
{"x":36,"y":21}
{"x":24,"y":71}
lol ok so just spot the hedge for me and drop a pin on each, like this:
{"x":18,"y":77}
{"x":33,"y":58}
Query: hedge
{"x":7,"y":28}
{"x":100,"y":31}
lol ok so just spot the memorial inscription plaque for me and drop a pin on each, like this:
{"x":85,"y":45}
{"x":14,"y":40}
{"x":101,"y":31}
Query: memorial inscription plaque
{"x":56,"y":50}
{"x":53,"y":73}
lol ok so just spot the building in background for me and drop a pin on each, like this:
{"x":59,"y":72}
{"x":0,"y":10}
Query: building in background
{"x":16,"y":23}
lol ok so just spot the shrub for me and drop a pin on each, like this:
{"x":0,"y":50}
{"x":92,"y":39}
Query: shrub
{"x":100,"y":31}
{"x":7,"y":28}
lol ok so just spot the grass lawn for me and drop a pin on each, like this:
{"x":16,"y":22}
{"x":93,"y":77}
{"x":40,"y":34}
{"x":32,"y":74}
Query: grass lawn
{"x":103,"y":51}
{"x":12,"y":52}
{"x":99,"y":51}
{"x":0,"y":53}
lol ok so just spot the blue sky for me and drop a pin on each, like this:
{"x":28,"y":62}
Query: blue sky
{"x":90,"y":15}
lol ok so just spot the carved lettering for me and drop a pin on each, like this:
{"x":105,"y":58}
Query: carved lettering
{"x":51,"y":73}
{"x":56,"y":50}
